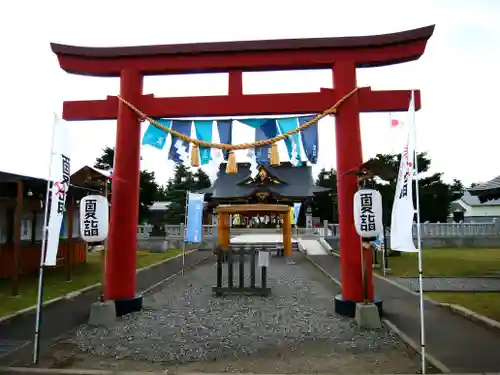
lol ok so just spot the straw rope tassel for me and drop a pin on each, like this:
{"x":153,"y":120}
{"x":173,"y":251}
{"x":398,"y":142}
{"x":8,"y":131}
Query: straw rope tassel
{"x":195,"y":155}
{"x":231,"y":166}
{"x":275,"y":155}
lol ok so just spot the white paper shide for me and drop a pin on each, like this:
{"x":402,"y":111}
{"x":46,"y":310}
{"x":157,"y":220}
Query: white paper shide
{"x":94,"y":218}
{"x":368,"y":212}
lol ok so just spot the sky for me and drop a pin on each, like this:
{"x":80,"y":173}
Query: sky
{"x":457,"y":125}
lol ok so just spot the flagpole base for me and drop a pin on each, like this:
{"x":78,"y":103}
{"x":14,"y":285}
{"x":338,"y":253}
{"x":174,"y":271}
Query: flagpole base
{"x":348,"y":308}
{"x":128,"y":305}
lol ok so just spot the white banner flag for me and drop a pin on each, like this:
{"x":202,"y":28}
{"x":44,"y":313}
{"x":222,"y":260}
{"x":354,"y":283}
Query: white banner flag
{"x":403,"y":210}
{"x":59,"y":175}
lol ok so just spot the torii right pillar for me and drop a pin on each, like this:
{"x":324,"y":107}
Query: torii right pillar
{"x":349,"y":158}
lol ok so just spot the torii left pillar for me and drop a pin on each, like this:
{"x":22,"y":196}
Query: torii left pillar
{"x":122,"y":243}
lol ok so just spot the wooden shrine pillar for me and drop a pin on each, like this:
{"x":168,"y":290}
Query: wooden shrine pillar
{"x":17,"y":238}
{"x":287,"y":233}
{"x":70,"y":243}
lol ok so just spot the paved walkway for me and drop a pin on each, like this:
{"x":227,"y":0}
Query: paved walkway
{"x":259,"y":238}
{"x":460,"y":344}
{"x":313,"y":247}
{"x":451,"y":284}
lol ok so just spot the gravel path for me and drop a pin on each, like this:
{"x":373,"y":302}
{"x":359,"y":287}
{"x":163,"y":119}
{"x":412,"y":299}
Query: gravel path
{"x":451,"y":284}
{"x":185,"y":329}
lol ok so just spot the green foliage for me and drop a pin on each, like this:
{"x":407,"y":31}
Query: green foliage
{"x":149,"y":189}
{"x":175,"y":191}
{"x":435,"y":195}
{"x":325,"y":205}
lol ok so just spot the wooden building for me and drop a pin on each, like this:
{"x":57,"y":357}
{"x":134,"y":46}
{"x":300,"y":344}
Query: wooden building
{"x":22,"y":202}
{"x":283,"y":184}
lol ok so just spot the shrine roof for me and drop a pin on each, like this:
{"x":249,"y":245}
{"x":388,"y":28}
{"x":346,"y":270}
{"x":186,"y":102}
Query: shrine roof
{"x":294,"y":182}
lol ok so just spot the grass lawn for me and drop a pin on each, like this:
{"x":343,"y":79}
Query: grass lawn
{"x":56,"y":285}
{"x":448,"y":262}
{"x":487,"y":304}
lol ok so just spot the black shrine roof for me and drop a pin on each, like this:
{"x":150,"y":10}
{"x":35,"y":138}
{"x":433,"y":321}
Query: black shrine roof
{"x":293,"y":181}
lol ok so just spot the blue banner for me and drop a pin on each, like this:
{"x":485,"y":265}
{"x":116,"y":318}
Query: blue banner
{"x":183,"y":127}
{"x":225,"y":134}
{"x":194,"y":226}
{"x":285,"y":125}
{"x":203,"y":130}
{"x":310,"y":139}
{"x":265,"y":131}
{"x":296,"y":211}
{"x":156,"y":137}
{"x":253,"y":122}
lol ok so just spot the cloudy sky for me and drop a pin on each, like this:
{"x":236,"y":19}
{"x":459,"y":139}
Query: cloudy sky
{"x":457,"y":126}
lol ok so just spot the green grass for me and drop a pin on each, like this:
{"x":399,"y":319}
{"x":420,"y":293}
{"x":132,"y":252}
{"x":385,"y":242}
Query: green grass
{"x":487,"y":304}
{"x":448,"y":262}
{"x":55,"y":284}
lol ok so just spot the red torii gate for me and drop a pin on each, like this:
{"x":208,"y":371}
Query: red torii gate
{"x":131,"y":64}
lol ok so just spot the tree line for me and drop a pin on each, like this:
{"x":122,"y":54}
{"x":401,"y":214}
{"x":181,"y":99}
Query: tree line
{"x":174,"y":191}
{"x":435,"y":195}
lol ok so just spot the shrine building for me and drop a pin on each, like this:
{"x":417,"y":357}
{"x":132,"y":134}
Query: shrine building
{"x":281,"y":184}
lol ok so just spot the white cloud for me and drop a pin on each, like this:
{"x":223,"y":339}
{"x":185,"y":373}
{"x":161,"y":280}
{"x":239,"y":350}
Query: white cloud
{"x":457,"y":74}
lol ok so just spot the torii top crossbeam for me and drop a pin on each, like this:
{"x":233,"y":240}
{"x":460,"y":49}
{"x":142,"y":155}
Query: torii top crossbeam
{"x":236,"y":57}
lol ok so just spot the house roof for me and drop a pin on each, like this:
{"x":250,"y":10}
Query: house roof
{"x":474,"y":200}
{"x":41,"y":183}
{"x":295,"y":182}
{"x":488,"y":191}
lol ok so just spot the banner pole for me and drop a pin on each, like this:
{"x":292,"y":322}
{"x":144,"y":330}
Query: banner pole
{"x":184,"y":233}
{"x":419,"y":239}
{"x":38,"y":317}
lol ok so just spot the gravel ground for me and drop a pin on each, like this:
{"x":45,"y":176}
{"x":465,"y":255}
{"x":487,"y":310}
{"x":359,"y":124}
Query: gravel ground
{"x":451,"y":284}
{"x":185,"y":329}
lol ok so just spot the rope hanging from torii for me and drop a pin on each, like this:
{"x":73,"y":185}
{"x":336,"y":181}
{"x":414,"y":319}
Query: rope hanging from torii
{"x":231,"y":167}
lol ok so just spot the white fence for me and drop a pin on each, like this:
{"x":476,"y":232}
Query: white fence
{"x":428,"y":230}
{"x":439,"y":230}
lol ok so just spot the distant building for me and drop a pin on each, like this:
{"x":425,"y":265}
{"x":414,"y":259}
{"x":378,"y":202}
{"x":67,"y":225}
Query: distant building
{"x":470,"y":209}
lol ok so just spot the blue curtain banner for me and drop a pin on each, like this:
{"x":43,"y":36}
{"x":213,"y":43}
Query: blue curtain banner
{"x":267,"y":130}
{"x":225,"y":129}
{"x":194,"y":226}
{"x":183,"y":127}
{"x":203,"y":129}
{"x":285,"y":125}
{"x":253,"y":122}
{"x":156,"y":137}
{"x":296,"y":211}
{"x":310,"y":139}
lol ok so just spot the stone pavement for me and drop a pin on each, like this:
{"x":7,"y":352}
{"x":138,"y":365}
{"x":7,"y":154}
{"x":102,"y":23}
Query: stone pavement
{"x":459,"y":343}
{"x":185,"y":329}
{"x":451,"y":284}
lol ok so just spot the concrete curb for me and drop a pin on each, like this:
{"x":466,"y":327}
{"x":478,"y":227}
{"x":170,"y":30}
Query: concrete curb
{"x":47,"y":371}
{"x":469,"y":314}
{"x":435,"y":362}
{"x":78,"y":292}
{"x":457,"y":309}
